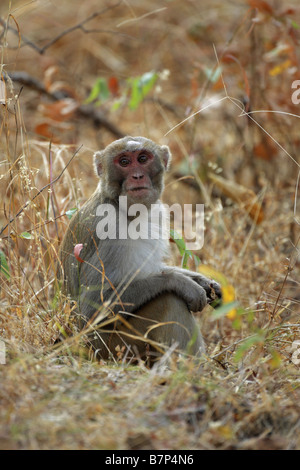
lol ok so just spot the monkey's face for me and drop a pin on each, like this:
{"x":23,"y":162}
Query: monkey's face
{"x":132,"y":167}
{"x":138,"y":172}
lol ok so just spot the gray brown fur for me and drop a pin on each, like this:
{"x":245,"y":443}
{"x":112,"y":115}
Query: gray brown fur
{"x":150,"y":291}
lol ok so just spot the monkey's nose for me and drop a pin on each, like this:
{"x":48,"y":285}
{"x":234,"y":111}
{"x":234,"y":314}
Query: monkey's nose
{"x":138,"y":176}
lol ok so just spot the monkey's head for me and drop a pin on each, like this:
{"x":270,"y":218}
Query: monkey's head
{"x":132,"y":167}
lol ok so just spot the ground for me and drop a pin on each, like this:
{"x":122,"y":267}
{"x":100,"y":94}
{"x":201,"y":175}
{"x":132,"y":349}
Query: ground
{"x":69,"y":86}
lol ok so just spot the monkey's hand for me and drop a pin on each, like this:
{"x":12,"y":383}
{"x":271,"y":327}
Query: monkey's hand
{"x":191,"y":292}
{"x":212,"y":288}
{"x":185,"y":287}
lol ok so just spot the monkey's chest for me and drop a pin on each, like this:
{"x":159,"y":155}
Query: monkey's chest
{"x":135,"y":258}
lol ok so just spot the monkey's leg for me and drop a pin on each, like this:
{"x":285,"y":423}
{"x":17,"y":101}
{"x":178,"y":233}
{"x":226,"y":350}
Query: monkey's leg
{"x":165,"y":320}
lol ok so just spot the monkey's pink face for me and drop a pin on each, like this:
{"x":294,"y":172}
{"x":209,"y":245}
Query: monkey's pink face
{"x":136,"y":170}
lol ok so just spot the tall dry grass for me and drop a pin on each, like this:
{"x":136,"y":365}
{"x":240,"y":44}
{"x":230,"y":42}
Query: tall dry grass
{"x":245,"y":392}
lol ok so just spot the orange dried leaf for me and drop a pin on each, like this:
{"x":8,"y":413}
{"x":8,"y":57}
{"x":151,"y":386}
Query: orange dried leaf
{"x":61,"y":110}
{"x":266,"y":149}
{"x":218,"y":85}
{"x":113,"y":86}
{"x":19,"y":312}
{"x":43,"y":129}
{"x":245,"y":197}
{"x":261,"y":5}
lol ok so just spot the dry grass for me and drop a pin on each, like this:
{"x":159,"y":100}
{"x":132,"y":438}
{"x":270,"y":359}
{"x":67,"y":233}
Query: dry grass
{"x":245,"y":392}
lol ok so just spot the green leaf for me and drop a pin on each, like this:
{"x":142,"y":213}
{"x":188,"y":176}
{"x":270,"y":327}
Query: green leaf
{"x":140,"y":87}
{"x":71,"y":212}
{"x":100,"y":91}
{"x":192,"y":341}
{"x":186,"y":254}
{"x":196,"y":260}
{"x":213,"y":75}
{"x":3,"y":265}
{"x":224,"y":309}
{"x":247,"y":344}
{"x":26,"y":235}
{"x":147,"y":81}
{"x":184,"y":261}
{"x":179,"y":241}
{"x":117,"y":104}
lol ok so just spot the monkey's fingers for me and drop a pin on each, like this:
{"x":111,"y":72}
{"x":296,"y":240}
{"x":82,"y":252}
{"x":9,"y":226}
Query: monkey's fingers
{"x":214,"y":294}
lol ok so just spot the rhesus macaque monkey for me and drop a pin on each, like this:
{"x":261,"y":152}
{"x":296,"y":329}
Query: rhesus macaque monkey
{"x":117,"y":273}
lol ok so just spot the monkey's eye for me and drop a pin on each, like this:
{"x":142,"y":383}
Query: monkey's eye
{"x":123,"y":161}
{"x":143,"y":158}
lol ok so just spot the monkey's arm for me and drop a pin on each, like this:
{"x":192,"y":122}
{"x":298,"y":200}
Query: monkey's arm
{"x":211,"y":287}
{"x":142,"y":290}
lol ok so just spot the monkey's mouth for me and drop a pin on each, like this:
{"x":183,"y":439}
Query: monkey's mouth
{"x":140,"y":191}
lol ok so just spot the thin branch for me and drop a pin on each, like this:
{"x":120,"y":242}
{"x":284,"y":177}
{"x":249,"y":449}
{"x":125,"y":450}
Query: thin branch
{"x":86,"y":111}
{"x":42,"y":50}
{"x":98,"y":118}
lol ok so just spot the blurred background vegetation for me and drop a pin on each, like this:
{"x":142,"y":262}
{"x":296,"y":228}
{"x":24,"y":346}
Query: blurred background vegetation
{"x":216,"y":81}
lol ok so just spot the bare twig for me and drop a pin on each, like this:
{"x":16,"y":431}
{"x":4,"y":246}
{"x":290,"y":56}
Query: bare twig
{"x":86,"y":111}
{"x":42,"y":50}
{"x":98,"y":118}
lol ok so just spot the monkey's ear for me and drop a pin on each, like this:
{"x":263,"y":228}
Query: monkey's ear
{"x":98,"y":163}
{"x":167,"y":156}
